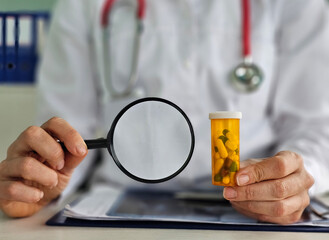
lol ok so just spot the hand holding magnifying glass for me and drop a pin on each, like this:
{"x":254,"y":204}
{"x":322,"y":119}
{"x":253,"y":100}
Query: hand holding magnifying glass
{"x":151,"y":140}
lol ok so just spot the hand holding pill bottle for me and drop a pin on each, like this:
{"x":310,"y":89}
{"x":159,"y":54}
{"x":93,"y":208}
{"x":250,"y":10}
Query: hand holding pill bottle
{"x":225,"y":147}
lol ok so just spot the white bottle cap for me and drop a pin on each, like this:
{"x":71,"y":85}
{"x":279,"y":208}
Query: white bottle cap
{"x":225,"y":115}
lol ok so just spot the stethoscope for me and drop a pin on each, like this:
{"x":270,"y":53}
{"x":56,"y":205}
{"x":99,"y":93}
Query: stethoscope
{"x":246,"y":77}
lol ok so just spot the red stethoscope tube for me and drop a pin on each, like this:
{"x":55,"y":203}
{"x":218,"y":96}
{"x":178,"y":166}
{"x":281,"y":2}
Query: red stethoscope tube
{"x":108,"y":5}
{"x":246,"y":47}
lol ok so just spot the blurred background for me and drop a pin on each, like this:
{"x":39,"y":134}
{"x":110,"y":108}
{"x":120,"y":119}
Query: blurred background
{"x":18,"y":59}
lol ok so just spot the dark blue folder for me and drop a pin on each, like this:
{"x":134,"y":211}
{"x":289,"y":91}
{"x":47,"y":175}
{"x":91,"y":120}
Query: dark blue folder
{"x":139,"y":204}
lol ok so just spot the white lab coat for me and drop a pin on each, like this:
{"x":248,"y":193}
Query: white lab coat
{"x":188,"y":49}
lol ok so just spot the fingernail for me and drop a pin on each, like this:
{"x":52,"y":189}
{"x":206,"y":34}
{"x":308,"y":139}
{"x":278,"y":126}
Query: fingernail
{"x":229,"y":193}
{"x":41,"y":195}
{"x":60,"y":165}
{"x":242,"y":180}
{"x":82,"y":149}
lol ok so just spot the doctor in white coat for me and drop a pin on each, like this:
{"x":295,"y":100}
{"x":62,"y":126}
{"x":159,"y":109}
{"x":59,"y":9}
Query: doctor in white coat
{"x":188,"y":49}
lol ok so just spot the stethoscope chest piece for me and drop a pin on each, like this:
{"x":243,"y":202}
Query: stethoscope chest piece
{"x":246,"y":77}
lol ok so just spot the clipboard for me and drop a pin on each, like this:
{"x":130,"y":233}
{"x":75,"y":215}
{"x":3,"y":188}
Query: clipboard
{"x":146,"y":205}
{"x":60,"y":220}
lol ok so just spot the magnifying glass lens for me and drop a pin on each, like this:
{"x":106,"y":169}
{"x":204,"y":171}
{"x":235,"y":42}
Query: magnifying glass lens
{"x":151,"y":141}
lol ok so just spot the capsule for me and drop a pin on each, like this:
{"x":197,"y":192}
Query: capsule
{"x":232,"y":137}
{"x":230,"y":145}
{"x":226,"y":179}
{"x":218,"y":164}
{"x":221,"y":148}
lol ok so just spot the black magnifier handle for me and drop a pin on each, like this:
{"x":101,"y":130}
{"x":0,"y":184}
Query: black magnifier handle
{"x":91,"y":143}
{"x":96,"y":143}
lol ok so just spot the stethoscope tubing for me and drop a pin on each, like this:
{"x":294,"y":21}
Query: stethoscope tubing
{"x":105,"y":23}
{"x":245,"y":24}
{"x":140,"y":15}
{"x":108,"y":6}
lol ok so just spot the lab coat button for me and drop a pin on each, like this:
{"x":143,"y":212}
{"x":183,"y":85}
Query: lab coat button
{"x":188,"y":64}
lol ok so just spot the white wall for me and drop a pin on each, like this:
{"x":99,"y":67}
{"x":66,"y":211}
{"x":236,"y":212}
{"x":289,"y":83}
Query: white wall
{"x":17,"y":112}
{"x":27,"y":5}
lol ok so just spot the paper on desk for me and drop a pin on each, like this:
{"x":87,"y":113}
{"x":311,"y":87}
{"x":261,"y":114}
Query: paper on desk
{"x":94,"y":205}
{"x":105,"y":203}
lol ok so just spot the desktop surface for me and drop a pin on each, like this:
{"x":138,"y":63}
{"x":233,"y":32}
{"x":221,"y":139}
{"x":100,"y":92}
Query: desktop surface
{"x":34,"y":227}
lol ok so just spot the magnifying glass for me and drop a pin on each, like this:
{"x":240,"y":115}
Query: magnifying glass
{"x":151,"y":140}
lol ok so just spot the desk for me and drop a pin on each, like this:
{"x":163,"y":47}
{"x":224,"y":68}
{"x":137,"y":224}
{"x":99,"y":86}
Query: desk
{"x":34,"y":227}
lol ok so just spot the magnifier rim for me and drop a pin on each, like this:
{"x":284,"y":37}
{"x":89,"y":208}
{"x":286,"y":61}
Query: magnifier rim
{"x":115,"y":158}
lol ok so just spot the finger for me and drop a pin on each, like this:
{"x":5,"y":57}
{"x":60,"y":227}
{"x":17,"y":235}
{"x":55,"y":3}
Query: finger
{"x":245,"y":212}
{"x":30,"y":169}
{"x":292,"y":218}
{"x":62,"y":130}
{"x":250,"y":161}
{"x":71,"y":162}
{"x":278,"y":166}
{"x":72,"y":140}
{"x":38,"y":140}
{"x":17,"y":191}
{"x":268,"y":190}
{"x":279,"y":208}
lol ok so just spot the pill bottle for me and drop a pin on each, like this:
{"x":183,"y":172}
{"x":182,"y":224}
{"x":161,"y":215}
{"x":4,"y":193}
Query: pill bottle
{"x":225,"y":147}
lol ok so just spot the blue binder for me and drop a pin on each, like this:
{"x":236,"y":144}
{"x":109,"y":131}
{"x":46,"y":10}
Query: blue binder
{"x":18,"y":62}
